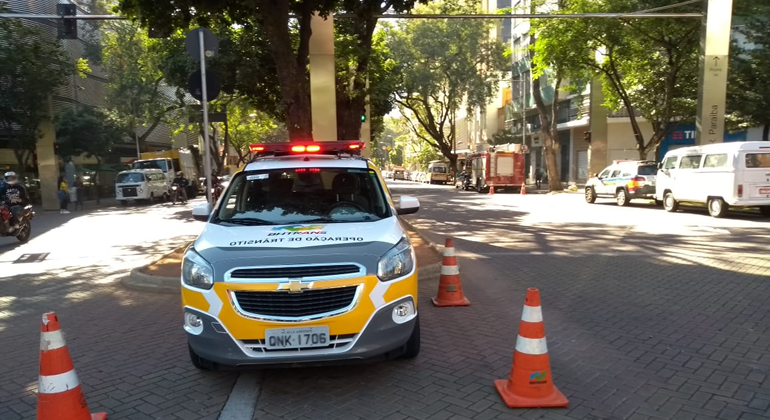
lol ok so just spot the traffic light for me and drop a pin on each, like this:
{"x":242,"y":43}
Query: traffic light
{"x":68,"y":28}
{"x":363,"y":118}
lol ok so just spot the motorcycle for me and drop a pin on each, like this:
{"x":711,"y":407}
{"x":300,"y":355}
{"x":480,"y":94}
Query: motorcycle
{"x":23,"y":228}
{"x":217,"y":191}
{"x":175,"y":194}
{"x":464,"y":181}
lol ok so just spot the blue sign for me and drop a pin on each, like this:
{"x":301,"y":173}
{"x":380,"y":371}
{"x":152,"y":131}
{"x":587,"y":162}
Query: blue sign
{"x":684,"y":135}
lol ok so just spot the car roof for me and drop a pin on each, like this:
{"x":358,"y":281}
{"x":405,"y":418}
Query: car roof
{"x":304,"y":161}
{"x":721,"y":147}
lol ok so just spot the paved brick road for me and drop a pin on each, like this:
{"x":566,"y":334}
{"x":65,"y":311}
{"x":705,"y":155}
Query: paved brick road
{"x":129,"y":349}
{"x":649,"y":315}
{"x":669,"y":322}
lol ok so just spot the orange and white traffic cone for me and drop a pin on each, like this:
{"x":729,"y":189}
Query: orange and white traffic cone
{"x":523,"y":189}
{"x":59,"y":396}
{"x":530,"y":383}
{"x":450,"y":290}
{"x":492,"y":190}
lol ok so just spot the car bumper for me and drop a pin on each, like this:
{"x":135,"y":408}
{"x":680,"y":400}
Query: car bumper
{"x":644,"y":192}
{"x":380,"y":336}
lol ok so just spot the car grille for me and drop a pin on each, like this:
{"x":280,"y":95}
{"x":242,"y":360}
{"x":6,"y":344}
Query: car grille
{"x":129,"y":192}
{"x":286,"y":304}
{"x":295,"y":272}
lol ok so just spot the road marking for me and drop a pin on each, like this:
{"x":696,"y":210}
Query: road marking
{"x":242,"y":402}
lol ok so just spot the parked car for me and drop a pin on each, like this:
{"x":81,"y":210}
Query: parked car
{"x":624,"y":180}
{"x":720,"y":175}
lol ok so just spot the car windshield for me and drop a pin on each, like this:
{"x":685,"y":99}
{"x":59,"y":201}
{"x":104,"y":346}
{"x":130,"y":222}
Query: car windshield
{"x":129,"y":177}
{"x":439,"y":170}
{"x":648,"y":169}
{"x":304,"y":195}
{"x":150,"y":164}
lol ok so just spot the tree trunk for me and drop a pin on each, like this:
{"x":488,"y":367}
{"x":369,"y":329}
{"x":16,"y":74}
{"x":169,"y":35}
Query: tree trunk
{"x":766,"y":131}
{"x":291,"y":67}
{"x":22,"y":156}
{"x":548,"y":130}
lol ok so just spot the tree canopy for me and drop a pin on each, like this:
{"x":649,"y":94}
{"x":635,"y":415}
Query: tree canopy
{"x":284,"y":26}
{"x":647,"y":66}
{"x":748,"y":97}
{"x":31,"y":67}
{"x":436,"y":77}
{"x":86,"y":131}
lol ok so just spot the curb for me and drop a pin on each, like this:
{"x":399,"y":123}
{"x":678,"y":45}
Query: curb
{"x":137,"y":280}
{"x":436,"y":247}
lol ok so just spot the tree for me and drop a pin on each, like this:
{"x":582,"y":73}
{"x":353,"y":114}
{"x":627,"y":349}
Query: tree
{"x":647,"y":66}
{"x":748,"y":98}
{"x":246,"y":126}
{"x":86,"y":131}
{"x":436,"y":76}
{"x":287,"y":41}
{"x":138,"y":95}
{"x":32,"y":66}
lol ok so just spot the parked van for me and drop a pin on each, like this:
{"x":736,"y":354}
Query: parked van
{"x":438,"y":172}
{"x":721,"y":175}
{"x":141,"y":185}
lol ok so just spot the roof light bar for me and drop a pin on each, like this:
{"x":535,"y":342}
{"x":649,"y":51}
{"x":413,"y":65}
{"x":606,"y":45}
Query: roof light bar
{"x":328,"y":147}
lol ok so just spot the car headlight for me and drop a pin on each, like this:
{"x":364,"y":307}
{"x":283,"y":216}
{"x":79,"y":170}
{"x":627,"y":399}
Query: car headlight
{"x":397,"y":262}
{"x":196,"y":271}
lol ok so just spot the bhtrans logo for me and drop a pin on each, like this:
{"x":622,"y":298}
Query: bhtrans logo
{"x":538,"y":377}
{"x":297,"y":230}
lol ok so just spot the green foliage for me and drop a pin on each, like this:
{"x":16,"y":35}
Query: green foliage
{"x":505,"y":136}
{"x":748,"y":97}
{"x":397,"y":156}
{"x":441,"y":65}
{"x":246,"y":126}
{"x":649,"y":66}
{"x":31,"y":67}
{"x":422,"y":156}
{"x":86,"y":131}
{"x":137,"y":95}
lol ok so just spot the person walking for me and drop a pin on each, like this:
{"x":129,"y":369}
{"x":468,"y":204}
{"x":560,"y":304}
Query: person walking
{"x":64,"y":195}
{"x":79,"y":193}
{"x":538,"y":177}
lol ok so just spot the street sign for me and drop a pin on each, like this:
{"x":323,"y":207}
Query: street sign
{"x":213,"y":85}
{"x":210,"y":44}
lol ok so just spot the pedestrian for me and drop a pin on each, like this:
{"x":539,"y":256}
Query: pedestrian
{"x":64,"y":195}
{"x":79,"y":193}
{"x":538,"y":177}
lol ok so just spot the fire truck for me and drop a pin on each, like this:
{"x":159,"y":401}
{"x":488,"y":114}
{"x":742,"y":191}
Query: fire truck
{"x":501,"y":170}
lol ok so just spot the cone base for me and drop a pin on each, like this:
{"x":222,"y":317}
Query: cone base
{"x":442,"y":303}
{"x":556,"y":399}
{"x":99,"y":416}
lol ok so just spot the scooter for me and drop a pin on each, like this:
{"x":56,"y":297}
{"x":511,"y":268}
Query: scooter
{"x":23,"y":230}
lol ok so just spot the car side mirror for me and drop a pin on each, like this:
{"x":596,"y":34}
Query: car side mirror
{"x":660,"y":165}
{"x":202,"y":212}
{"x":407,"y":205}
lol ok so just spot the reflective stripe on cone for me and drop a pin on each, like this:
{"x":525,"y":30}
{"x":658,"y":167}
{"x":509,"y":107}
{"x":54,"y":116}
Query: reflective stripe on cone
{"x":450,"y":289}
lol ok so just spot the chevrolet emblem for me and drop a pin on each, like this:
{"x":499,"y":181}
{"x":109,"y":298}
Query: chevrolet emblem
{"x":294,"y":286}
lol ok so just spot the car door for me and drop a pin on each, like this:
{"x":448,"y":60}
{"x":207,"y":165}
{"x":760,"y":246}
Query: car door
{"x":600,"y":187}
{"x":688,"y":183}
{"x":756,"y":174}
{"x":665,"y":178}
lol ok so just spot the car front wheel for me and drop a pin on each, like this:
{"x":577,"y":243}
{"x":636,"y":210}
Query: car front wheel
{"x":670,"y":203}
{"x":412,"y":347}
{"x":590,"y":195}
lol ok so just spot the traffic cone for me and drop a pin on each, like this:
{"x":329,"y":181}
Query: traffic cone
{"x":530,"y":382}
{"x":59,"y":396}
{"x":450,"y":290}
{"x":492,"y":190}
{"x":523,"y":189}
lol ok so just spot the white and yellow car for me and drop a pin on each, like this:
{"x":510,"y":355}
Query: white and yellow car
{"x":303,"y":260}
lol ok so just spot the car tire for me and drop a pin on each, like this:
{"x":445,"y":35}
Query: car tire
{"x":764,"y":211}
{"x":199,"y":362}
{"x":590,"y":195}
{"x":621,"y":197}
{"x":717,"y":207}
{"x":669,"y":203}
{"x":412,"y":347}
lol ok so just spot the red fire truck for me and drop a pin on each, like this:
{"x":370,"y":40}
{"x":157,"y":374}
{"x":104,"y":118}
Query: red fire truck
{"x":502,"y":170}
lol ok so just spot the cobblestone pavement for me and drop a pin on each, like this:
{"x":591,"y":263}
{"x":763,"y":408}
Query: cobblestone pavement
{"x":128,"y":347}
{"x":649,"y":315}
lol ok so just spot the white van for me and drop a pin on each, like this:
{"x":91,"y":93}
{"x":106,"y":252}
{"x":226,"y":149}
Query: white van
{"x":438,"y":172}
{"x":721,"y":175}
{"x":141,"y":185}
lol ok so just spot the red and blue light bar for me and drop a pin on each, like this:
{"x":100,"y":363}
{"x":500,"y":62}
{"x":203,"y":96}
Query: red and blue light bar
{"x":299,"y":148}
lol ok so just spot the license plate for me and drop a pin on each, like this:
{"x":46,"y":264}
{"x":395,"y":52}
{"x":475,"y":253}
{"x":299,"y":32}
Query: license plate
{"x":764,"y":190}
{"x":296,"y":338}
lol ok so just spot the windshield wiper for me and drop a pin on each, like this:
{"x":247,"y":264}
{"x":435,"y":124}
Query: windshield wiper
{"x":247,"y":221}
